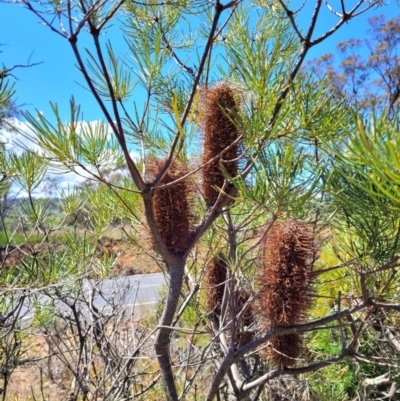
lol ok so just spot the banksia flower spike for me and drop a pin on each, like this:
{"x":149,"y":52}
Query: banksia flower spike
{"x":215,"y":281}
{"x":284,"y":279}
{"x":219,"y":112}
{"x":285,"y":349}
{"x":172,"y":206}
{"x":244,"y":333}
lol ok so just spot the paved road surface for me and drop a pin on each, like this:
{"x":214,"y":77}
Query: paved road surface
{"x":139,"y":291}
{"x":137,"y":294}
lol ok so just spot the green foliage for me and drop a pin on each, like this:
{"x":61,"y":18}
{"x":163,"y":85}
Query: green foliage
{"x":373,"y":148}
{"x":29,"y":170}
{"x":6,"y":93}
{"x":19,"y":239}
{"x":364,"y":189}
{"x":77,"y":143}
{"x":284,"y":180}
{"x":336,"y":382}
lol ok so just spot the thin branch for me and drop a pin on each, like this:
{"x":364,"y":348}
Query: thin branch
{"x":184,"y":177}
{"x":88,"y":15}
{"x":186,"y":303}
{"x":345,"y":18}
{"x":231,"y":357}
{"x":295,"y":371}
{"x":227,"y":20}
{"x":231,"y":4}
{"x":343,"y":6}
{"x":39,"y":15}
{"x":332,"y":10}
{"x":338,"y":266}
{"x":291,"y":15}
{"x":111,"y":14}
{"x":385,"y":305}
{"x":388,"y":265}
{"x":119,"y":132}
{"x":178,"y":61}
{"x":313,"y":21}
{"x":5,"y":71}
{"x":341,"y":331}
{"x":210,"y":40}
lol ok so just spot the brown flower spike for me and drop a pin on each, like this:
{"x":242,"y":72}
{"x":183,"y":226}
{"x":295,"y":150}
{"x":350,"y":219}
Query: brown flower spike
{"x":219,"y":112}
{"x":285,"y":349}
{"x":284,"y":293}
{"x":244,"y":333}
{"x":172,"y":207}
{"x":215,"y":281}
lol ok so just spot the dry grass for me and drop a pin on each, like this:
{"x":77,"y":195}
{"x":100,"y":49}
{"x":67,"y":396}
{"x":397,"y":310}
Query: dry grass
{"x":130,"y":258}
{"x":47,"y":378}
{"x":31,"y":378}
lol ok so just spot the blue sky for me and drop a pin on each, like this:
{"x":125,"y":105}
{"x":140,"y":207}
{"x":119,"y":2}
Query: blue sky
{"x":25,"y":40}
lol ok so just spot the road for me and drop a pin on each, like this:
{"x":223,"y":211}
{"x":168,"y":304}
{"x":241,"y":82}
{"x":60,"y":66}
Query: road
{"x":137,"y":294}
{"x":140,"y":292}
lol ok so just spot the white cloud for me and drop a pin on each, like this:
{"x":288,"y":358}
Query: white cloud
{"x":16,"y":139}
{"x":14,"y":135}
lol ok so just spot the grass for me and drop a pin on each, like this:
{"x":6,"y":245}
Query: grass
{"x":19,"y":239}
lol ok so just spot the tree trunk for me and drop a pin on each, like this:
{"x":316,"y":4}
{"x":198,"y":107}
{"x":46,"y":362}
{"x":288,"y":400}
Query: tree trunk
{"x":163,"y":338}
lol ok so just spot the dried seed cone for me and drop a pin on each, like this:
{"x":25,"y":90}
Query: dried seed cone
{"x":172,"y":206}
{"x":243,"y":297}
{"x":215,"y":282}
{"x":285,"y":349}
{"x":284,"y":282}
{"x":219,"y":112}
{"x":244,"y":333}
